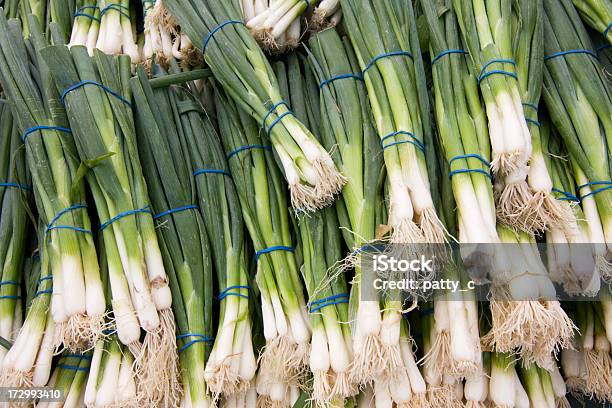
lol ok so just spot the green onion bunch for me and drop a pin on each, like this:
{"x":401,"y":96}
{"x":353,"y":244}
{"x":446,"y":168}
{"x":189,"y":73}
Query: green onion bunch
{"x":597,"y":14}
{"x":117,"y":30}
{"x":263,"y":200}
{"x":86,"y":25}
{"x":96,"y":93}
{"x":70,"y":376}
{"x":66,"y":235}
{"x":14,"y":225}
{"x":242,"y":69}
{"x":577,"y":95}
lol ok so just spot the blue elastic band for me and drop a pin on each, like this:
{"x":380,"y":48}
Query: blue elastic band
{"x":385,"y":55}
{"x":12,"y":297}
{"x":533,"y":121}
{"x":124,"y":214}
{"x":568,"y":52}
{"x":43,"y":127}
{"x":565,"y":195}
{"x":74,"y":368}
{"x":79,"y":356}
{"x":52,"y":225}
{"x":531,"y":105}
{"x":212,"y":171}
{"x":45,"y":278}
{"x":43,"y":292}
{"x":243,"y":148}
{"x":416,"y":142}
{"x":17,"y":185}
{"x":13,"y":283}
{"x":272,"y":249}
{"x":602,"y":47}
{"x":607,"y":30}
{"x":99,"y":85}
{"x":79,"y":12}
{"x":484,"y":74}
{"x":595,"y":183}
{"x":214,"y":31}
{"x":448,"y":52}
{"x":120,"y":8}
{"x":337,"y":77}
{"x":470,"y":156}
{"x":278,"y":119}
{"x":328,"y":301}
{"x":175,"y":210}
{"x":228,"y":292}
{"x":199,"y":338}
{"x":109,"y":332}
{"x":461,"y":171}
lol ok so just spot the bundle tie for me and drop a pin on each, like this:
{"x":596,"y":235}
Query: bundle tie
{"x":124,"y":214}
{"x":175,"y":210}
{"x":12,"y":283}
{"x":11,"y":297}
{"x":52,"y":225}
{"x":43,"y":127}
{"x":484,"y":74}
{"x":73,"y":367}
{"x":569,"y":52}
{"x":80,"y":13}
{"x":608,"y":185}
{"x":468,"y":156}
{"x":565,"y":195}
{"x":199,"y":338}
{"x":278,"y":119}
{"x":385,"y":55}
{"x":249,"y":147}
{"x":338,"y":77}
{"x":212,"y":33}
{"x":66,"y":91}
{"x":45,"y":291}
{"x":228,"y":292}
{"x":9,"y":282}
{"x":264,"y":251}
{"x":212,"y":171}
{"x":448,"y":52}
{"x":533,"y":122}
{"x":602,"y":47}
{"x":416,"y":142}
{"x":120,"y":8}
{"x":607,"y":30}
{"x":109,"y":332}
{"x":79,"y":356}
{"x":328,"y":301}
{"x":16,"y":185}
{"x":531,"y":105}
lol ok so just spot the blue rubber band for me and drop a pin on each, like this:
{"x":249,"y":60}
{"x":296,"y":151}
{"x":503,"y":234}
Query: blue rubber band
{"x":120,"y":8}
{"x":461,"y":171}
{"x":602,"y":47}
{"x":607,"y":30}
{"x":214,"y":31}
{"x":470,"y":156}
{"x":533,"y":122}
{"x":17,"y":185}
{"x":385,"y":55}
{"x":212,"y":171}
{"x":109,"y":332}
{"x":79,"y":356}
{"x":565,"y":195}
{"x":531,"y":105}
{"x":45,"y":278}
{"x":11,"y":297}
{"x":416,"y":142}
{"x":328,"y":301}
{"x":43,"y":127}
{"x":608,"y":185}
{"x":448,"y":52}
{"x":484,"y":74}
{"x":52,"y":225}
{"x":270,"y":112}
{"x":243,"y":148}
{"x":99,"y":85}
{"x":73,"y":367}
{"x":80,"y":13}
{"x":199,"y":338}
{"x":228,"y":292}
{"x":277,"y":121}
{"x":261,"y":252}
{"x":338,"y":77}
{"x":569,"y":52}
{"x":124,"y":214}
{"x":43,"y":292}
{"x":175,"y":210}
{"x":13,"y":283}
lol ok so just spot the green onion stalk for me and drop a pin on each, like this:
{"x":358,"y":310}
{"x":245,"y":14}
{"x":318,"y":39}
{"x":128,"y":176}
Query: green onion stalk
{"x":165,"y":150}
{"x":52,"y":159}
{"x":103,"y":128}
{"x":86,"y":25}
{"x":577,"y":95}
{"x":391,"y":64}
{"x":60,"y":15}
{"x":232,"y":364}
{"x":347,"y":129}
{"x":117,"y":31}
{"x":321,"y":239}
{"x":538,"y":386}
{"x":261,"y":192}
{"x":597,"y":14}
{"x":546,"y":211}
{"x":70,"y":376}
{"x":326,"y":14}
{"x":566,"y":260}
{"x":14,"y":225}
{"x":505,"y":387}
{"x":486,"y":28}
{"x":239,"y":65}
{"x":38,"y":8}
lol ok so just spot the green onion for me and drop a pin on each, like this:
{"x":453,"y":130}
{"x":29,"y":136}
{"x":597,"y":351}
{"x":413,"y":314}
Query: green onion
{"x":70,"y":376}
{"x":86,"y":25}
{"x":597,"y":14}
{"x":116,"y":34}
{"x":239,"y":65}
{"x":78,"y":299}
